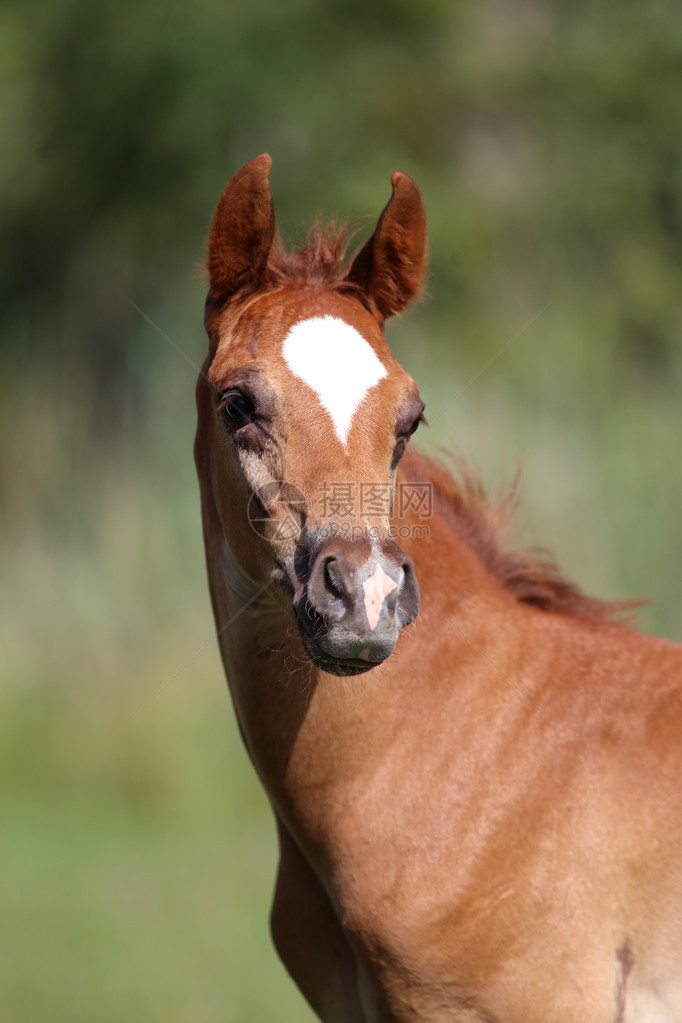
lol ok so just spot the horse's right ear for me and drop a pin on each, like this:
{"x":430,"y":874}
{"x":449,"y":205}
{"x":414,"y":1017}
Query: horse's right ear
{"x":242,"y":230}
{"x":390,"y":267}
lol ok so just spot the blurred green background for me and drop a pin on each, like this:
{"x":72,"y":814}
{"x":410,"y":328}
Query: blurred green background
{"x":136,"y":849}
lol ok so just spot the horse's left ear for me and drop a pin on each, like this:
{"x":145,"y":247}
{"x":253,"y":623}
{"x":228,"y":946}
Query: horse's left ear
{"x":390,"y":266}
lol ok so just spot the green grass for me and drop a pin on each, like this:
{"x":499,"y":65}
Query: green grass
{"x":137,"y":864}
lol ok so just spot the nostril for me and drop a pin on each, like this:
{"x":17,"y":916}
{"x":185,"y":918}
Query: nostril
{"x":332,"y":578}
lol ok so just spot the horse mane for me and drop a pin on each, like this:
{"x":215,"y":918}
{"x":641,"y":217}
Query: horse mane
{"x":530,"y":575}
{"x":321,"y":260}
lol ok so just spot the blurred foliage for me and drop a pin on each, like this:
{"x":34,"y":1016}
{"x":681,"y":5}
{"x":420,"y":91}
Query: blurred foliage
{"x":137,"y":851}
{"x":545,"y":137}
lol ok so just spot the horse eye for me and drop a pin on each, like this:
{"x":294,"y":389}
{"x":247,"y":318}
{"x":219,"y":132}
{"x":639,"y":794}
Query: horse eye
{"x":413,"y":427}
{"x":237,"y":408}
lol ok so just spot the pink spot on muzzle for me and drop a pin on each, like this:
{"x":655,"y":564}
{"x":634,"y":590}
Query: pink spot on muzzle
{"x":377,"y":588}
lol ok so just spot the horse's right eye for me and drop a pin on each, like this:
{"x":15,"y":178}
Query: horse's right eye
{"x":237,"y":408}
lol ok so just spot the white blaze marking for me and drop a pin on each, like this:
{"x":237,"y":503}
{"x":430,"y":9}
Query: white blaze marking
{"x":337,"y":362}
{"x":377,"y":588}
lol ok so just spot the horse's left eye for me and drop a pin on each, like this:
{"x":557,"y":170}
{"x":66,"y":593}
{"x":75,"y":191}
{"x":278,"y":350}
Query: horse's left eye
{"x":237,"y":408}
{"x":407,"y":432}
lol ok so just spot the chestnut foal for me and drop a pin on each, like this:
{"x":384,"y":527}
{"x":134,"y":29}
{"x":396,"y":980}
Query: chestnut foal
{"x":487,"y":826}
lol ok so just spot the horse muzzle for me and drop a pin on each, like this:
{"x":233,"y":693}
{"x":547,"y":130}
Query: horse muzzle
{"x":357,"y":597}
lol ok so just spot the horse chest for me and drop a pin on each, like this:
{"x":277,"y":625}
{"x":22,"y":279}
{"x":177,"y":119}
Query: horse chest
{"x":433,"y":923}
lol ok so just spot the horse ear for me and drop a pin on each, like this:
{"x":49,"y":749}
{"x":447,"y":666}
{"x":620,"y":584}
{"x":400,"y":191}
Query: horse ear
{"x":390,"y":266}
{"x":242,"y":230}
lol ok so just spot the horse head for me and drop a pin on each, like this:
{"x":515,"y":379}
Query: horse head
{"x":305,"y":414}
